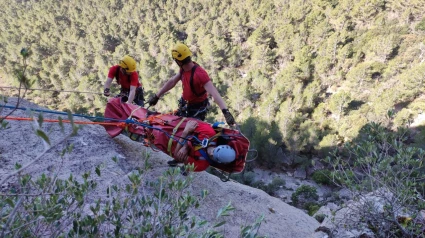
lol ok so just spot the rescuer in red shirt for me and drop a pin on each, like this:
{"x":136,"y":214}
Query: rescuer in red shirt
{"x":127,"y":77}
{"x":196,"y":87}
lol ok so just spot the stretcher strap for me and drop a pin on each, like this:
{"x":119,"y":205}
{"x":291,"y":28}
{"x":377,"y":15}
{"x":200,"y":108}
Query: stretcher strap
{"x":170,"y":142}
{"x":210,"y":141}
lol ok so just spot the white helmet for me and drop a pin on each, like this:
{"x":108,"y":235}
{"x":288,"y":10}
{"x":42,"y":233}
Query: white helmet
{"x":224,"y":154}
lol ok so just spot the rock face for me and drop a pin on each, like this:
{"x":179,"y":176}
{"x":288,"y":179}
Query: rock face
{"x":367,"y":215}
{"x":93,"y":147}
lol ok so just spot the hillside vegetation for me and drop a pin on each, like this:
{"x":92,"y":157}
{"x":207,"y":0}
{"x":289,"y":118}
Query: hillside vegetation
{"x":301,"y":76}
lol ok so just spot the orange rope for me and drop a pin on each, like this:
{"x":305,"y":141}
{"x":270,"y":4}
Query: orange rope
{"x":146,"y":142}
{"x":119,"y":124}
{"x":157,"y":119}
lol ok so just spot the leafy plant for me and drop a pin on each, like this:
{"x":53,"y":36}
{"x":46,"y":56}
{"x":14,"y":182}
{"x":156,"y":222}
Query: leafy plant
{"x":421,"y":25}
{"x":3,"y":101}
{"x":270,"y":188}
{"x":323,"y":176}
{"x":49,"y":206}
{"x":381,"y":165}
{"x":24,"y":84}
{"x":312,"y":208}
{"x":304,"y":196}
{"x":246,"y":178}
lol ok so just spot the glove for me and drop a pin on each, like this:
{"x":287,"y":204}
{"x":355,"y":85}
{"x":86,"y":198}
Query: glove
{"x":153,"y":100}
{"x":106,"y":92}
{"x":228,"y":116}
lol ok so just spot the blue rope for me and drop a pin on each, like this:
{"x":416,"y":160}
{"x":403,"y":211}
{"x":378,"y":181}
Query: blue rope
{"x":62,"y":113}
{"x":128,"y":121}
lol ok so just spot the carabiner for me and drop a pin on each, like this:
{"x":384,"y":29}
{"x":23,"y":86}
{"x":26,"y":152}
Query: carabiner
{"x":204,"y":143}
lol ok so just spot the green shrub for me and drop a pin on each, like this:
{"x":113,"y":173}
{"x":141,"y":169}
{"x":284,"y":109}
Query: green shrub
{"x":164,"y":213}
{"x":3,"y":123}
{"x":312,"y":208}
{"x":270,"y":188}
{"x":304,"y":195}
{"x":236,"y":177}
{"x":421,"y":25}
{"x":276,"y":183}
{"x":328,"y":144}
{"x":246,"y":178}
{"x":322,"y":177}
{"x":382,"y":163}
{"x":259,"y":184}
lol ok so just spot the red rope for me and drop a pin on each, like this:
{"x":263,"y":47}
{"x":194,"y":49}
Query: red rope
{"x":146,"y":142}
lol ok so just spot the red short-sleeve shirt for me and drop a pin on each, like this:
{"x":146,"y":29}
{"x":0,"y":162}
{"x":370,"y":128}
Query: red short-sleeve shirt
{"x":199,"y":164}
{"x":200,"y":78}
{"x":125,"y":80}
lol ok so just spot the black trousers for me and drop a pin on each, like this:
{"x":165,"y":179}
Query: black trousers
{"x":196,"y":110}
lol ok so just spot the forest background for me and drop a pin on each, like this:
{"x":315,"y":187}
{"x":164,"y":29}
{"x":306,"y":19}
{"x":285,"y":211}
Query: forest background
{"x":300,"y":76}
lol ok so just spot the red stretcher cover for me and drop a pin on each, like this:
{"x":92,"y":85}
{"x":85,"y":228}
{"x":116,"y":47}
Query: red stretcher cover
{"x":157,"y":129}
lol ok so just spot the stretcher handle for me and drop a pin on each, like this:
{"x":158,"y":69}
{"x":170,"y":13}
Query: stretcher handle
{"x":255,"y":157}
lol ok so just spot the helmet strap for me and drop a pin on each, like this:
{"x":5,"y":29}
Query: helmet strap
{"x":207,"y":157}
{"x":186,"y":60}
{"x":179,"y":63}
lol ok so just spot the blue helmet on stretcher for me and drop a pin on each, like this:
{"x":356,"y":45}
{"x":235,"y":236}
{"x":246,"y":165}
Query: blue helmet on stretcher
{"x":224,"y":154}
